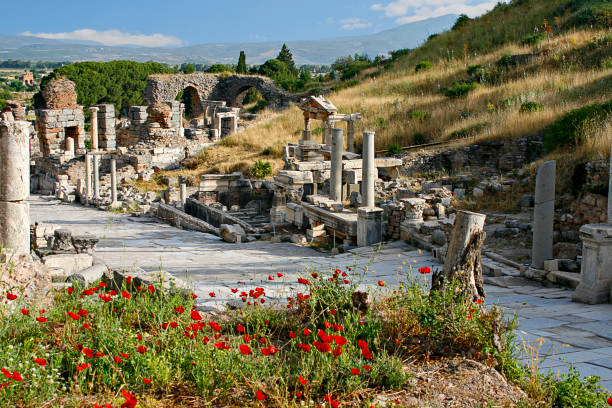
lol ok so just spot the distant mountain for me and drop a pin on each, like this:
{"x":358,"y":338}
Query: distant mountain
{"x":304,"y":52}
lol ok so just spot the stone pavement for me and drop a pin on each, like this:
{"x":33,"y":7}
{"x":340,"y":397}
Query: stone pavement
{"x":568,"y":332}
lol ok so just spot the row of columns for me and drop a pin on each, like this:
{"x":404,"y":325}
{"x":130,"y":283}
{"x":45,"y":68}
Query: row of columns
{"x":92,"y":184}
{"x":328,"y":127}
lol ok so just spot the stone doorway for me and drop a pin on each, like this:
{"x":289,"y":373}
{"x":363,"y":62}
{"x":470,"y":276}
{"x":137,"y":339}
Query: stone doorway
{"x":193,"y":104}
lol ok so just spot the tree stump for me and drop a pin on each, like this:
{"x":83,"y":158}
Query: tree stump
{"x":463,"y":257}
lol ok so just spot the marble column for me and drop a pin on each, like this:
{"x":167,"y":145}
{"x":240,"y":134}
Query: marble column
{"x":70,"y":146}
{"x":88,"y":187}
{"x":113,"y":165}
{"x":610,"y":192}
{"x":544,"y":214}
{"x":96,"y":176}
{"x":350,"y":136}
{"x":94,"y":127}
{"x":368,"y":170}
{"x":183,"y":192}
{"x":15,"y":185}
{"x":335,"y":181}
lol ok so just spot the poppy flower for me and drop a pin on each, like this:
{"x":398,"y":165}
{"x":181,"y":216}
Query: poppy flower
{"x":280,"y":275}
{"x":73,"y":316}
{"x":270,"y":351}
{"x":245,"y":350}
{"x":341,"y":341}
{"x":70,"y":291}
{"x":41,"y":319}
{"x":151,"y":288}
{"x":304,"y":347}
{"x":83,"y":366}
{"x":82,"y":313}
{"x":381,"y":283}
{"x":193,"y":296}
{"x":234,"y":290}
{"x":213,"y":325}
{"x":117,"y":359}
{"x":337,"y":351}
{"x":260,"y":396}
{"x":610,"y":401}
{"x":333,"y":312}
{"x":314,"y":275}
{"x":102,"y":285}
{"x":142,"y":349}
{"x":17,"y":377}
{"x":128,"y":280}
{"x":325,"y":337}
{"x":303,"y":281}
{"x":366,"y":353}
{"x":221,"y":346}
{"x":139,"y":336}
{"x":355,"y":371}
{"x":88,"y":352}
{"x":270,"y":277}
{"x":11,"y":296}
{"x":25,"y":312}
{"x":424,"y":270}
{"x":367,"y":367}
{"x":179,"y":309}
{"x":212,"y":294}
{"x":174,"y":325}
{"x":99,"y":354}
{"x":146,"y":380}
{"x":302,"y":380}
{"x":292,"y":335}
{"x":124,"y":355}
{"x":126,"y":294}
{"x":479,"y":301}
{"x":240,"y":328}
{"x":306,"y":332}
{"x":130,"y":400}
{"x":338,"y":327}
{"x":321,"y":346}
{"x":362,"y":344}
{"x":195,"y":315}
{"x":40,"y":361}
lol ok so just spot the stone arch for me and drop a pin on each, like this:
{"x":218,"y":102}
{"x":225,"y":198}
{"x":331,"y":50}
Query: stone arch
{"x":192,"y":101}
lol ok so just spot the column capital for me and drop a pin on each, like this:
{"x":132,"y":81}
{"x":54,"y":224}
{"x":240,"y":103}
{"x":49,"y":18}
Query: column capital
{"x":94,"y":109}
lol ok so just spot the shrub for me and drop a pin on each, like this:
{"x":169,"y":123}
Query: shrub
{"x":468,"y":131}
{"x":607,"y":63}
{"x":419,"y":115}
{"x":394,"y":149}
{"x":422,"y":66}
{"x":570,"y":129}
{"x":419,"y":139}
{"x":505,"y":61}
{"x":530,"y":107}
{"x":460,"y":89}
{"x":570,"y":391}
{"x":533,"y":39}
{"x":261,"y":170}
{"x":259,"y":106}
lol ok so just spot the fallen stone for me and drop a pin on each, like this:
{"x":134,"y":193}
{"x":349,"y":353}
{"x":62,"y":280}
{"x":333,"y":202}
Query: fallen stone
{"x":232,"y":233}
{"x":70,"y":263}
{"x":89,"y":275}
{"x":438,"y":237}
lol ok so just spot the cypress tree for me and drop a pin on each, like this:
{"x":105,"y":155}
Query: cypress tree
{"x":241,"y":68}
{"x":285,"y":56}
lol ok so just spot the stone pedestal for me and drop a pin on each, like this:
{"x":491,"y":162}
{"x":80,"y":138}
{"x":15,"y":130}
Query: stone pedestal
{"x":544,"y":214}
{"x":113,"y":181}
{"x":335,"y":181}
{"x":94,"y":128}
{"x":369,"y":226}
{"x":596,"y":274}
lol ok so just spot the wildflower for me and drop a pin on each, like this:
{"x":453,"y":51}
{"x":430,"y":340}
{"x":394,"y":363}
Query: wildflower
{"x":174,"y":325}
{"x":40,"y":361}
{"x":321,"y":346}
{"x":245,"y":350}
{"x":424,"y":270}
{"x":280,"y":275}
{"x":151,"y":289}
{"x":126,"y":294}
{"x":234,"y":290}
{"x":41,"y":319}
{"x":325,"y":337}
{"x":304,"y":347}
{"x":128,"y":280}
{"x":11,"y":296}
{"x":306,"y":332}
{"x":221,"y":345}
{"x":240,"y":328}
{"x":124,"y":355}
{"x":610,"y":401}
{"x":142,"y":349}
{"x":337,"y":351}
{"x":366,"y":353}
{"x":139,"y":336}
{"x":260,"y":396}
{"x":367,"y":367}
{"x":82,"y":313}
{"x":193,"y":296}
{"x":195,"y":315}
{"x":362,"y":344}
{"x":130,"y":400}
{"x":381,"y":283}
{"x":213,"y":325}
{"x":102,"y":285}
{"x":83,"y":366}
{"x":117,"y":359}
{"x":341,"y":341}
{"x":70,"y":291}
{"x":88,"y":352}
{"x":302,"y":380}
{"x":73,"y":316}
{"x":479,"y":301}
{"x":292,"y":335}
{"x":179,"y":309}
{"x":338,"y":327}
{"x":146,"y":380}
{"x":17,"y":377}
{"x":270,"y":351}
{"x":99,"y":354}
{"x":25,"y":312}
{"x":270,"y":277}
{"x":212,"y":294}
{"x":333,"y":312}
{"x":303,"y":281}
{"x":314,"y":275}
{"x":355,"y":371}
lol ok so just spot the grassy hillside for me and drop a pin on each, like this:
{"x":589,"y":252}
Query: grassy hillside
{"x":518,"y":87}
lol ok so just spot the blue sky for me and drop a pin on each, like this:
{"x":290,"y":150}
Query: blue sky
{"x":190,"y":22}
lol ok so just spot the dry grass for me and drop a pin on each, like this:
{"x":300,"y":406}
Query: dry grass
{"x":392,"y":103}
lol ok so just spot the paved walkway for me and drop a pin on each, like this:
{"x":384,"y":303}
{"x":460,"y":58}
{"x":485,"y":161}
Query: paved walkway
{"x":575,"y":333}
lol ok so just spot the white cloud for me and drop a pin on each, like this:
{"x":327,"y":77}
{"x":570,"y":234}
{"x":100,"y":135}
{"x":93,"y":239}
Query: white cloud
{"x":408,"y":11}
{"x":112,"y":38}
{"x":354,"y":24}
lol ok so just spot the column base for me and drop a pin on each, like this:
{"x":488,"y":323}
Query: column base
{"x":369,"y":226}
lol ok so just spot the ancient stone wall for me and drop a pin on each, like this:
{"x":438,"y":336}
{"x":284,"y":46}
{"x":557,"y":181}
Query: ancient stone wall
{"x":55,"y":125}
{"x":106,"y":126}
{"x":220,"y":87}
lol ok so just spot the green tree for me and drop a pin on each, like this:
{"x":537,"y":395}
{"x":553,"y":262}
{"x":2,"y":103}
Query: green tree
{"x":188,"y":68}
{"x":285,"y":56}
{"x":241,"y":68}
{"x":217,"y":68}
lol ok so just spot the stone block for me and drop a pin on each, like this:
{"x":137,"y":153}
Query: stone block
{"x":369,"y":226}
{"x":596,"y":275}
{"x":70,"y":263}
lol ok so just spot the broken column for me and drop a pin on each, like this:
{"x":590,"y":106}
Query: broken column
{"x":307,"y":133}
{"x":368,"y":169}
{"x":183,"y":194}
{"x":15,"y":185}
{"x":350,"y":136}
{"x":113,"y":165}
{"x":96,"y":176}
{"x":544,"y":214}
{"x":70,"y":147}
{"x":88,"y":189}
{"x":335,"y":181}
{"x":94,"y":127}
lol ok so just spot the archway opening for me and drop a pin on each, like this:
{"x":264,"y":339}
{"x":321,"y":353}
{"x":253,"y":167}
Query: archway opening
{"x":193,"y":104}
{"x":250,"y":99}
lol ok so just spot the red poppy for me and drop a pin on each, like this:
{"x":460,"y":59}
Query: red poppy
{"x":260,"y":396}
{"x":247,"y":338}
{"x":212,"y":294}
{"x":479,"y":301}
{"x":269,"y":351}
{"x":245,"y":350}
{"x":381,"y":283}
{"x":40,"y":361}
{"x":355,"y":371}
{"x":362,"y":344}
{"x":82,"y":313}
{"x":117,"y":359}
{"x":234,"y":290}
{"x":151,"y":288}
{"x":139,"y":336}
{"x":195,"y":315}
{"x":367,"y":367}
{"x":240,"y":328}
{"x":610,"y":401}
{"x":341,"y":341}
{"x":83,"y":366}
{"x":333,"y":312}
{"x":88,"y":352}
{"x":304,"y":347}
{"x":213,"y":325}
{"x":325,"y":337}
{"x":142,"y":349}
{"x":70,"y":291}
{"x":292,"y":335}
{"x":303,"y":281}
{"x":146,"y":380}
{"x":128,"y":280}
{"x":424,"y":270}
{"x":338,"y":327}
{"x":11,"y":296}
{"x":280,"y":275}
{"x":314,"y":275}
{"x":302,"y":380}
{"x":306,"y":332}
{"x":41,"y":319}
{"x":130,"y":400}
{"x":193,"y":296}
{"x":179,"y":309}
{"x":174,"y":325}
{"x":99,"y":354}
{"x":126,"y":294}
{"x":124,"y":355}
{"x":321,"y":346}
{"x":73,"y":316}
{"x":366,"y":353}
{"x":270,"y":277}
{"x":337,"y":351}
{"x":221,"y":346}
{"x":17,"y":377}
{"x":25,"y":312}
